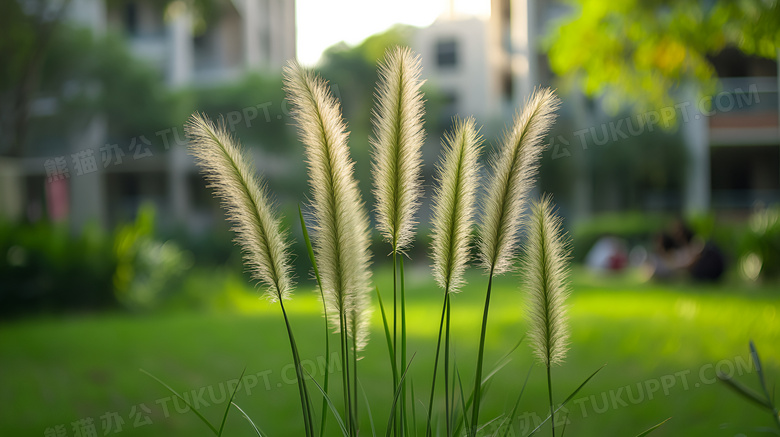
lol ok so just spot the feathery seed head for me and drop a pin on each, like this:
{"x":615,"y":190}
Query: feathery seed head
{"x":512,"y":171}
{"x":457,"y":176}
{"x":545,"y":272}
{"x":247,"y":203}
{"x":397,"y":140}
{"x":341,"y":229}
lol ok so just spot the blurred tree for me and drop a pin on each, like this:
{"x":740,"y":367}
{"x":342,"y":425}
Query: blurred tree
{"x":252,"y":107}
{"x":32,"y":40}
{"x":635,"y":51}
{"x":85,"y":75}
{"x":26,"y":30}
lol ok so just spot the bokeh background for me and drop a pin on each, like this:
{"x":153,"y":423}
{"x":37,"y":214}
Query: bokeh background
{"x":664,"y":163}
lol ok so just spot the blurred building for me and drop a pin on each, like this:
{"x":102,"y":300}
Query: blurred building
{"x":488,"y":66}
{"x":744,"y":132}
{"x":463,"y":57}
{"x":187,"y":50}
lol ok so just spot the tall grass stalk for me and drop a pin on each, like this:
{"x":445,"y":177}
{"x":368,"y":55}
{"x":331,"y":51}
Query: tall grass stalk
{"x":341,"y":228}
{"x":452,"y":221}
{"x":313,"y":260}
{"x":397,"y":163}
{"x":513,"y":168}
{"x":257,"y":226}
{"x":544,"y":268}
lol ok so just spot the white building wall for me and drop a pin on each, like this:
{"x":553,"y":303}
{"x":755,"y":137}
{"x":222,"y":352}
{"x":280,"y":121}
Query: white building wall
{"x":470,"y":80}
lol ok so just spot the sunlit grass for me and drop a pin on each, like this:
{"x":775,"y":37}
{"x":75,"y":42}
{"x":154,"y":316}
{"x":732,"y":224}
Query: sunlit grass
{"x":59,"y":370}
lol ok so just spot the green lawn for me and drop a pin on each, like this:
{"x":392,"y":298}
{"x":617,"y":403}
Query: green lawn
{"x":661,"y":344}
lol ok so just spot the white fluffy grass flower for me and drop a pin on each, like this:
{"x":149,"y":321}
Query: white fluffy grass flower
{"x":341,"y":228}
{"x":398,"y":138}
{"x":513,"y":168}
{"x":247,"y":202}
{"x":545,"y":271}
{"x":457,"y":176}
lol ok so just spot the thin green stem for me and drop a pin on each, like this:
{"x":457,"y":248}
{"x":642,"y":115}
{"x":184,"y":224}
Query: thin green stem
{"x":549,"y":392}
{"x":403,"y":345}
{"x":305,"y":406}
{"x":480,"y":356}
{"x":396,"y":419}
{"x":345,"y":371}
{"x":313,"y":260}
{"x":428,"y":431}
{"x":354,"y":376}
{"x":447,"y":405}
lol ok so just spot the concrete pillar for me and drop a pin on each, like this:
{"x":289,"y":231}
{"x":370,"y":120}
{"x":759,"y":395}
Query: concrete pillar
{"x":180,"y":46}
{"x":522,"y":49}
{"x":87,"y":183}
{"x":251,"y":19}
{"x":697,"y":193}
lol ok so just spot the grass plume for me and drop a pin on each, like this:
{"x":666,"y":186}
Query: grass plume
{"x":454,"y":204}
{"x":246,"y":200}
{"x":544,"y":269}
{"x":341,"y":237}
{"x":257,"y":227}
{"x":397,"y":142}
{"x":514,"y":166}
{"x":452,"y":220}
{"x":397,"y":165}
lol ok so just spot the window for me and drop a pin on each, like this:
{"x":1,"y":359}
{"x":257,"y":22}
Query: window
{"x":447,"y":53}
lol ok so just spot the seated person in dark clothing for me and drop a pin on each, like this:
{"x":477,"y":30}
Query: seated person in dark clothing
{"x":681,"y":251}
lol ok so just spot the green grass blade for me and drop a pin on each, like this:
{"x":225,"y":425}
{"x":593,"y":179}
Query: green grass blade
{"x":565,"y":421}
{"x":517,"y":402}
{"x":570,"y":397}
{"x":313,"y":260}
{"x":463,"y":402}
{"x":395,"y":399}
{"x":745,"y":391}
{"x":309,"y":247}
{"x":500,"y":364}
{"x":388,"y":337}
{"x":485,"y":425}
{"x":330,"y":405}
{"x":514,"y":348}
{"x":652,"y":428}
{"x":759,"y":370}
{"x":197,"y":413}
{"x":368,"y":408}
{"x":302,"y":391}
{"x":414,"y":408}
{"x":230,"y":402}
{"x":246,"y":416}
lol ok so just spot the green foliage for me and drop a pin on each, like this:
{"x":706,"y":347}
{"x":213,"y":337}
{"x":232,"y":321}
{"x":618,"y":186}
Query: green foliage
{"x":759,"y":255}
{"x":147,"y":270}
{"x":633,"y":52}
{"x":253,"y":108}
{"x":44,"y":268}
{"x":91,"y":75}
